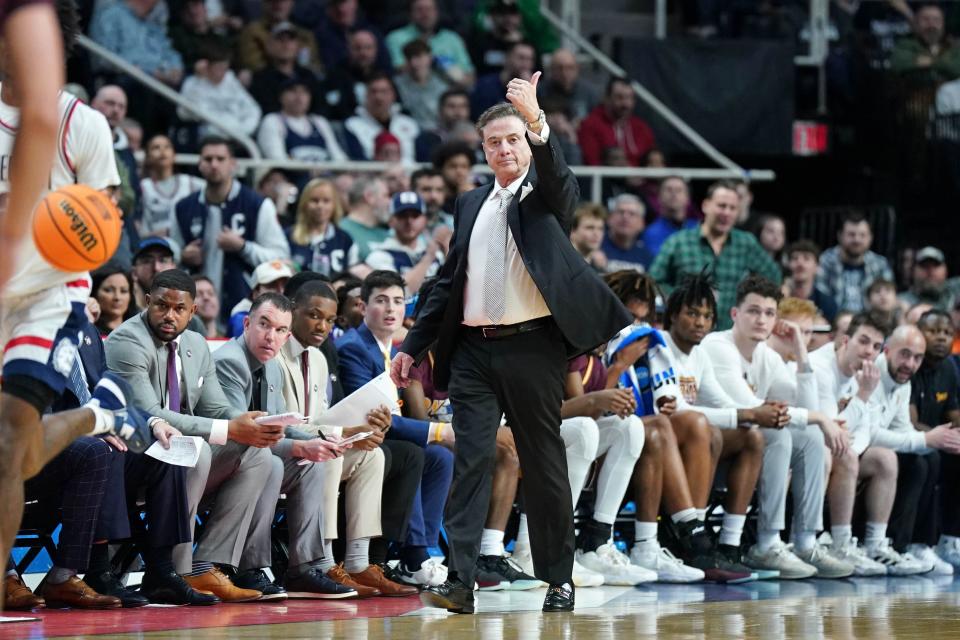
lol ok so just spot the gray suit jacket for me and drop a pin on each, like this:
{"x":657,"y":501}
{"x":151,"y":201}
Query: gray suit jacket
{"x":235,"y":365}
{"x":136,"y":354}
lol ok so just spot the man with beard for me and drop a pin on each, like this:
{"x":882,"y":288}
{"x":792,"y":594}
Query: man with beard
{"x":891,"y":425}
{"x":848,"y":269}
{"x":930,"y":281}
{"x":929,"y":50}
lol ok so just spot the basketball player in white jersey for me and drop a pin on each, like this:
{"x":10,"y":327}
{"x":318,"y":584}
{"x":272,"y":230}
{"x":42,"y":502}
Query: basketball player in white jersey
{"x":161,"y":187}
{"x":41,"y":309}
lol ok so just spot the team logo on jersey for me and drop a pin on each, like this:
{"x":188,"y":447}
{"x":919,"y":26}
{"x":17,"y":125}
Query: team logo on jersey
{"x":688,"y":389}
{"x":942,"y":396}
{"x":63,"y":356}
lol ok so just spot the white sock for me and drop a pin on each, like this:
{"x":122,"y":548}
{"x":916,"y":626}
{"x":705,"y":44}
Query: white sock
{"x":523,"y":534}
{"x":841,"y":534}
{"x":491,"y":543}
{"x":805,"y":540}
{"x":357,"y":556}
{"x":766,"y":538}
{"x":327,"y":562}
{"x":684,"y":515}
{"x":645,"y":531}
{"x":732,"y":529}
{"x":701,"y":514}
{"x":876,"y":534}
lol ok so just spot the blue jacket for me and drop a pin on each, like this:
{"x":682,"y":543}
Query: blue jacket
{"x":360,"y":362}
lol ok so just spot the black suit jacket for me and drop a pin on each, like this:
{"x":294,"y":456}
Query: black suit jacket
{"x":584,"y":308}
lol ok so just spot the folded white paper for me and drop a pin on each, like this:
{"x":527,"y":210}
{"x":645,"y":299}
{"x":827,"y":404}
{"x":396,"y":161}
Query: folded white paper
{"x":353,"y":410}
{"x":184,"y":451}
{"x":282,"y":419}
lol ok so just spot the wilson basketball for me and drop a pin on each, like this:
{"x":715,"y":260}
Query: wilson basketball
{"x":76,"y":228}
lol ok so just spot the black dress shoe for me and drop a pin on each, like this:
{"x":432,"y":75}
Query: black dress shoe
{"x":172,"y":589}
{"x":107,"y":584}
{"x":559,"y":598}
{"x":453,"y":595}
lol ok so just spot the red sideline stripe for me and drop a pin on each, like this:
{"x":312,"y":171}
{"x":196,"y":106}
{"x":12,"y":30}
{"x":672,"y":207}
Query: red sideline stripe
{"x":83,"y":282}
{"x":34,"y":341}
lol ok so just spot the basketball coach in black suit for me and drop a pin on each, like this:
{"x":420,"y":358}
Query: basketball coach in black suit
{"x":513,"y":302}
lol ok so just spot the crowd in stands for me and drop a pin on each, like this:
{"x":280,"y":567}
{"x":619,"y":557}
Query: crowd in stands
{"x":759,"y":367}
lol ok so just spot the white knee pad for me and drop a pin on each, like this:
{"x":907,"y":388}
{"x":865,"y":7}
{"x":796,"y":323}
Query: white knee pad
{"x":581,"y":437}
{"x":633,"y":427}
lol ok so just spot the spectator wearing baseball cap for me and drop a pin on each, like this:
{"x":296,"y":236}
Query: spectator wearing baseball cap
{"x":931,"y":283}
{"x":406,"y":250}
{"x":153,"y":255}
{"x":267,"y":277}
{"x":252,"y":44}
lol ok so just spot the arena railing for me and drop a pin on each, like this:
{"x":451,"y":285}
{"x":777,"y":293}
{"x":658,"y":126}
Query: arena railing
{"x":161,"y":89}
{"x":595,"y":175}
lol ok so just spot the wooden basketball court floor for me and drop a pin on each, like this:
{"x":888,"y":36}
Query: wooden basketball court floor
{"x":915,"y":607}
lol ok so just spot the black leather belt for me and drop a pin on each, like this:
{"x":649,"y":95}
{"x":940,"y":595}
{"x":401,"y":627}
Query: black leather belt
{"x":506,"y":330}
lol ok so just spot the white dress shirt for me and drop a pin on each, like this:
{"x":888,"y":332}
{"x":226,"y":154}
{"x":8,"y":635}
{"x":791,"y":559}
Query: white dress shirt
{"x":522,"y":297}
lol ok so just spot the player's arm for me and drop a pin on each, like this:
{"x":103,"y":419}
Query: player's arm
{"x":35,"y":56}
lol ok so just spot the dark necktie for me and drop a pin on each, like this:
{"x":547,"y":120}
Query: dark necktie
{"x":78,"y":382}
{"x":173,"y":380}
{"x":305,"y":368}
{"x":258,"y":401}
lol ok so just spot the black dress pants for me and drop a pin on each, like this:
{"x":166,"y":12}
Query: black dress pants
{"x":914,"y":514}
{"x":403,"y":466}
{"x":521,"y":376}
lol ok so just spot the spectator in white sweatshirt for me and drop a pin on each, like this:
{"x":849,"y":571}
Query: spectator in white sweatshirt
{"x":294,"y":132}
{"x":752,"y":373}
{"x":217,"y":90}
{"x":381,"y":112}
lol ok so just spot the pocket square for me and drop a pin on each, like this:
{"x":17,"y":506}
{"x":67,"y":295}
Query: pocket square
{"x":200,"y":381}
{"x":525,"y":191}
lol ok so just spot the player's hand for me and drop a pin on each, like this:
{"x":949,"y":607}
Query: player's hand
{"x":163,"y":431}
{"x":944,"y":438}
{"x":867,"y":380}
{"x":400,"y":369}
{"x":667,"y":405}
{"x":620,"y":402}
{"x":244,"y":430}
{"x":836,"y":439}
{"x":192,"y":255}
{"x":792,"y":333}
{"x":230,"y":241}
{"x":523,"y":95}
{"x":631,"y":353}
{"x":770,"y":415}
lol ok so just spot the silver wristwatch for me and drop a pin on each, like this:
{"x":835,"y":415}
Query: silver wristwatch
{"x":541,"y":121}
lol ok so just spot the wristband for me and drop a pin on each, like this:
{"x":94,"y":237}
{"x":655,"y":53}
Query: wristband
{"x":437,"y":428}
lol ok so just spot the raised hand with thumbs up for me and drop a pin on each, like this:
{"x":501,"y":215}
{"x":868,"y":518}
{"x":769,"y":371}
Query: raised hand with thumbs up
{"x":523,"y":95}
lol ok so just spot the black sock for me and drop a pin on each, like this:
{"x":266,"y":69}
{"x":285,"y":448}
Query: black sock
{"x":593,"y":535}
{"x":99,"y":559}
{"x":378,"y":550}
{"x":159,"y":560}
{"x":413,"y":557}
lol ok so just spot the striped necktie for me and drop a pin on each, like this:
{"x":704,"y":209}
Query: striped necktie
{"x":494,"y":303}
{"x":78,"y":381}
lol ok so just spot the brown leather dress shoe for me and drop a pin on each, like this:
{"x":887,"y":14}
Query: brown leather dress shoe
{"x":337,"y":574}
{"x":217,"y":583}
{"x":76,"y":594}
{"x":373,"y":576}
{"x":18,"y":597}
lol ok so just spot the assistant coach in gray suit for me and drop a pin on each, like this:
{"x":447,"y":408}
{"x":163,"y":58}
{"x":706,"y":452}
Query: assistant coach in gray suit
{"x":248,"y":369}
{"x":173,"y":377}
